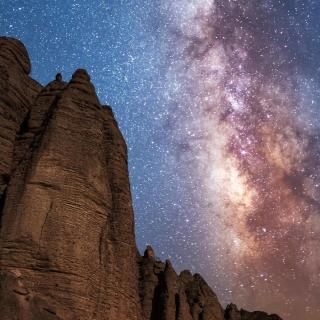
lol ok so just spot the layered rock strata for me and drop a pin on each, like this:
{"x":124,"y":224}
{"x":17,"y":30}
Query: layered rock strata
{"x":67,"y":245}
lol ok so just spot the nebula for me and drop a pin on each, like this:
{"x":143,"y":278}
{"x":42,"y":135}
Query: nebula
{"x":246,"y":118}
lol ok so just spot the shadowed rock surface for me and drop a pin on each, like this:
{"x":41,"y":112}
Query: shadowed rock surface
{"x":67,"y":245}
{"x":232,"y":313}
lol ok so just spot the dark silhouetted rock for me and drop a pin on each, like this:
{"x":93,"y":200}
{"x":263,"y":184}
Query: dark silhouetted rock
{"x":59,"y":77}
{"x":232,"y":313}
{"x":67,"y":245}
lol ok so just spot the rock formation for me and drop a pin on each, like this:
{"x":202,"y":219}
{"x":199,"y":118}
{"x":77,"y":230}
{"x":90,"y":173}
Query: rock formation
{"x":67,"y":245}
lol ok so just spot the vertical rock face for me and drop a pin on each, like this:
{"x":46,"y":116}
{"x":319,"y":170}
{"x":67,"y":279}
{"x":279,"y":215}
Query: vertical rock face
{"x":17,"y":92}
{"x":67,"y":245}
{"x":67,"y":242}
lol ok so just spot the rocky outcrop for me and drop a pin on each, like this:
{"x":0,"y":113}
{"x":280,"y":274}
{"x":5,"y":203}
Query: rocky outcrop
{"x":67,"y":245}
{"x":232,"y":313}
{"x":17,"y":93}
{"x":165,"y":295}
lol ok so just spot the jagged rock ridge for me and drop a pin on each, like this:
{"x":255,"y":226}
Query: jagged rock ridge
{"x":67,"y":245}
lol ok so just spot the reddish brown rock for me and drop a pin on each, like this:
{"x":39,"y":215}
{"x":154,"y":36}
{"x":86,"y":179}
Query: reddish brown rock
{"x":17,"y":93}
{"x":67,"y":241}
{"x":67,"y":244}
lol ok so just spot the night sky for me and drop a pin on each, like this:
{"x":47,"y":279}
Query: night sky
{"x":219,"y":103}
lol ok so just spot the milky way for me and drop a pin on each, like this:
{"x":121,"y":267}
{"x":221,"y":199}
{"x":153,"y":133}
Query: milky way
{"x":251,"y":131}
{"x":219,"y":104}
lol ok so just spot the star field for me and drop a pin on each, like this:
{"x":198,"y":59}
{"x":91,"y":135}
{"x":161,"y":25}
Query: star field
{"x":219,"y":103}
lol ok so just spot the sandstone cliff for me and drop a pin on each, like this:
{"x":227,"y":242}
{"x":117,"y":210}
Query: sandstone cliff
{"x":67,"y":245}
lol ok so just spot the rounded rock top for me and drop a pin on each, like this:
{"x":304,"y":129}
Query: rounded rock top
{"x":149,"y":252}
{"x":59,"y":77}
{"x":18,"y":51}
{"x":82,"y":74}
